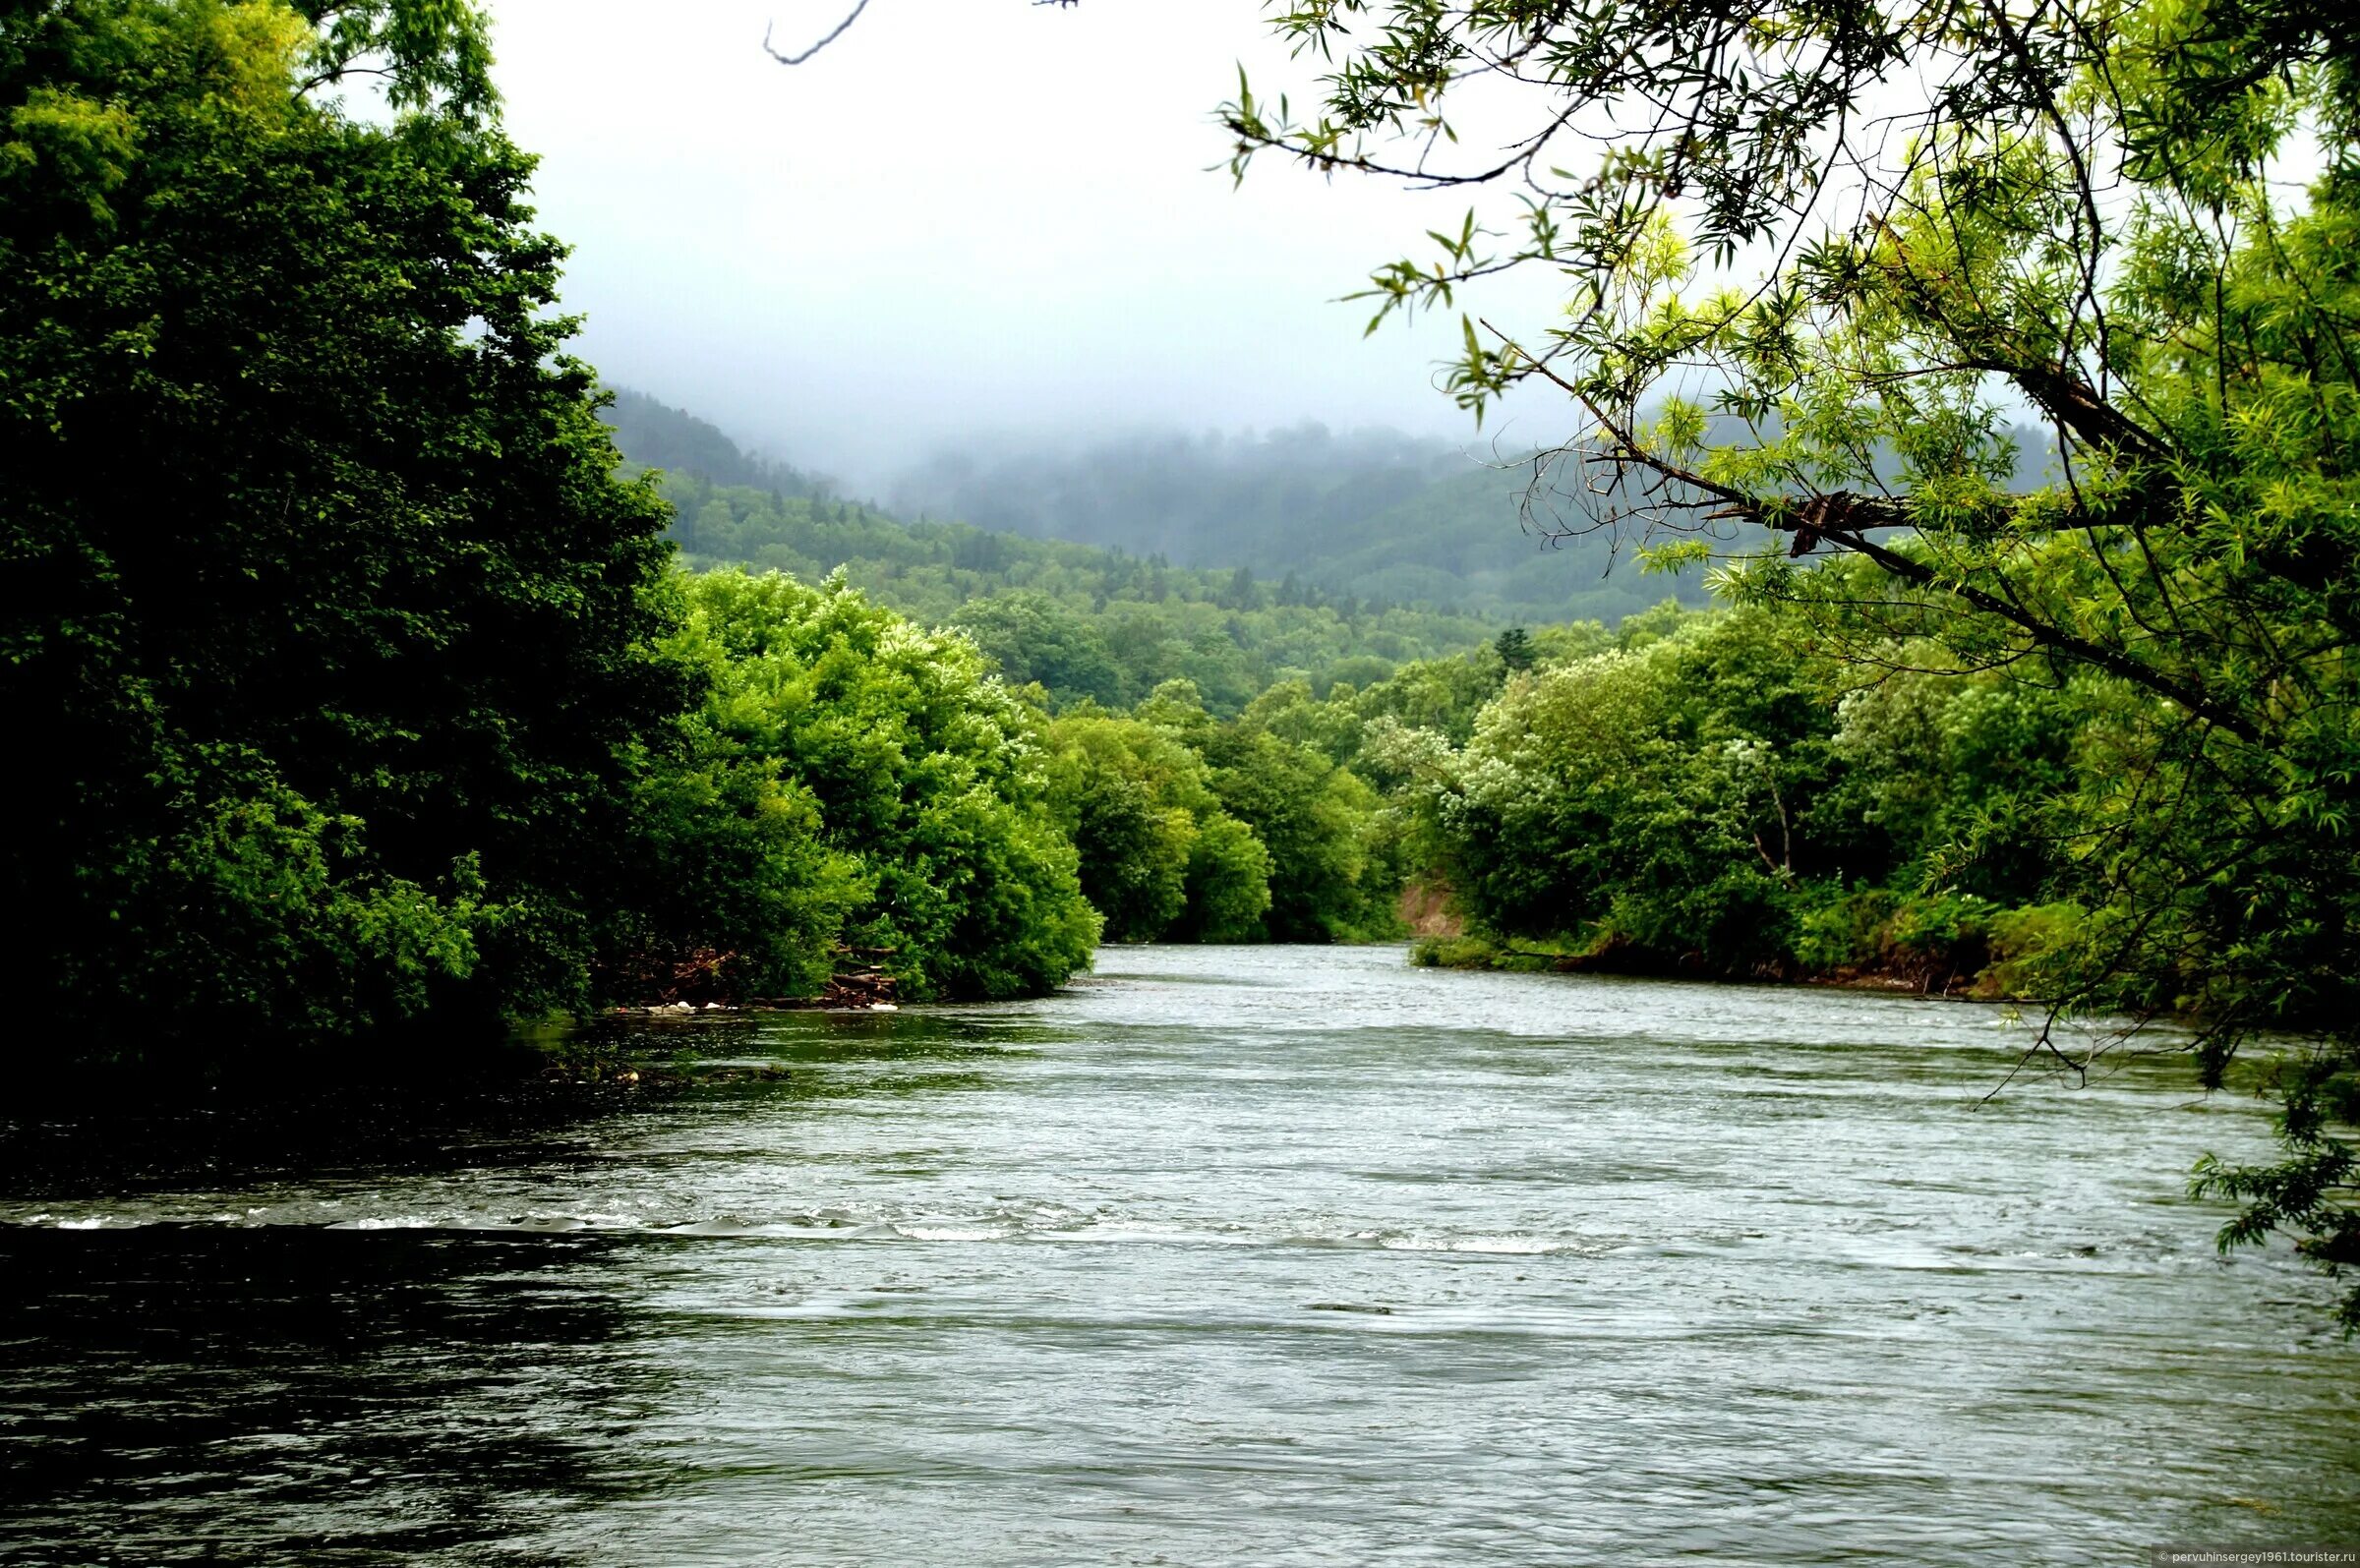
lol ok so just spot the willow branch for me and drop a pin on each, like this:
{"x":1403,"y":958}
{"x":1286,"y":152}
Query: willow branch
{"x":1842,"y":520}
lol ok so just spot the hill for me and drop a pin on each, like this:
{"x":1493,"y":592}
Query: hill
{"x":1373,"y":514}
{"x":1085,"y":621}
{"x":655,"y":434}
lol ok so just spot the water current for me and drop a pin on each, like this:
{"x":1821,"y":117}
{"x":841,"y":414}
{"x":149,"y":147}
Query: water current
{"x":1223,"y":1257}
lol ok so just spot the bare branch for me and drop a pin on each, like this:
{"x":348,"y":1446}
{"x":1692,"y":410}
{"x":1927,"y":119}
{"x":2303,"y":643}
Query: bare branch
{"x":833,"y":33}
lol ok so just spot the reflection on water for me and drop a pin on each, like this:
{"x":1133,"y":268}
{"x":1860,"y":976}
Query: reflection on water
{"x":1225,"y":1257}
{"x":292,"y":1394}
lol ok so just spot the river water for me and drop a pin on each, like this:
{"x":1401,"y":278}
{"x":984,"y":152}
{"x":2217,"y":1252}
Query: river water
{"x":1223,"y":1256}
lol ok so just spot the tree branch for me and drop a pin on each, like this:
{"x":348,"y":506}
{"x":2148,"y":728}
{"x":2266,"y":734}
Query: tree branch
{"x":1841,"y":519}
{"x":835,"y":33}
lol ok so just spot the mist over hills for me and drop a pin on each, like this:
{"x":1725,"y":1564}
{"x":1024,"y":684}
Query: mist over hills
{"x":655,"y":434}
{"x":1373,"y":513}
{"x":1370,"y":516}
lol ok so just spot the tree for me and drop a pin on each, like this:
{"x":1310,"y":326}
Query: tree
{"x":925,"y":773}
{"x":1316,"y":820}
{"x":1033,"y":638}
{"x":1823,"y":258}
{"x":1242,"y":593}
{"x":1515,"y":650}
{"x":1159,"y":856}
{"x":1655,"y":798}
{"x":338,"y":626}
{"x":1705,"y":795}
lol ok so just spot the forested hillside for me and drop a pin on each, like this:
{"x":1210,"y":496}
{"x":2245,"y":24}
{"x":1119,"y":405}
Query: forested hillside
{"x":1372,"y":514}
{"x":656,"y":435}
{"x":1083,"y":620}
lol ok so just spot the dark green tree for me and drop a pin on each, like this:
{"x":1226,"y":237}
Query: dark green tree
{"x":338,"y":626}
{"x":1515,"y":650}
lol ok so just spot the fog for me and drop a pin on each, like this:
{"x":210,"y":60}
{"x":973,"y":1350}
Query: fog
{"x":965,"y":223}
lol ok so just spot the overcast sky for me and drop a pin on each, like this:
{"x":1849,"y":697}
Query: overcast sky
{"x":965,"y":220}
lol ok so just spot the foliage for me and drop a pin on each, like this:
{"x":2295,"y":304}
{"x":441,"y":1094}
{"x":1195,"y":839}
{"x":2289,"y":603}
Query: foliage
{"x":367,"y":696}
{"x":926,"y":776}
{"x":1161,"y":857}
{"x":1318,"y":820}
{"x":1228,"y":885}
{"x":1515,"y":651}
{"x":1658,"y":793}
{"x":1196,"y":829}
{"x":1703,"y":794}
{"x":265,"y":916}
{"x":731,"y":888}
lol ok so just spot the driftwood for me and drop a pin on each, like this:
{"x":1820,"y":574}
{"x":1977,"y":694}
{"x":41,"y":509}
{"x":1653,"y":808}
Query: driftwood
{"x":864,"y":987}
{"x":701,"y":979}
{"x":860,"y":981}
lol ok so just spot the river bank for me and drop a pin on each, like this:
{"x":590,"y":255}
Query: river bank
{"x":1967,"y":977}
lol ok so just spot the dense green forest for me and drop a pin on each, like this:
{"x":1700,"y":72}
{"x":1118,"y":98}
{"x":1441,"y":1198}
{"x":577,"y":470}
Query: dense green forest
{"x":1481,"y":528}
{"x":1699,"y":792}
{"x":1683,"y":790}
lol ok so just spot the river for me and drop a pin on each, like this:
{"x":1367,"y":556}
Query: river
{"x":1223,"y":1257}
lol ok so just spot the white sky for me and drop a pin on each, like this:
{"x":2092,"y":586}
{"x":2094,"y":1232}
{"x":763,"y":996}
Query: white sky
{"x":965,"y":220}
